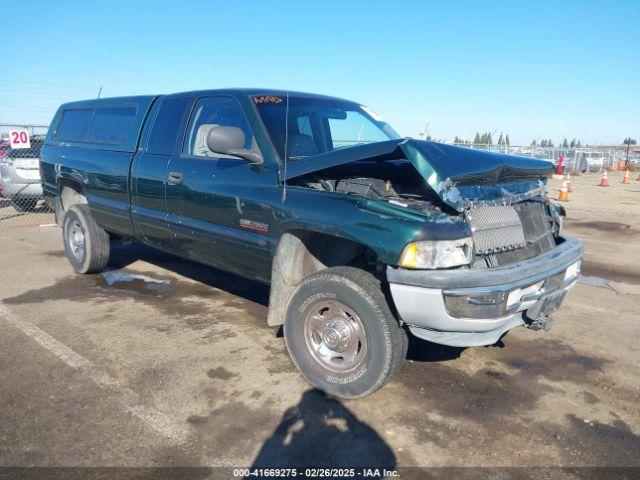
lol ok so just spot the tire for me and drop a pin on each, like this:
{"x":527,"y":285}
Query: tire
{"x":341,"y":333}
{"x":24,"y":204}
{"x":85,"y":243}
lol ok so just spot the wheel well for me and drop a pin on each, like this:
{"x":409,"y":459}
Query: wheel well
{"x":70,"y":193}
{"x":303,"y":253}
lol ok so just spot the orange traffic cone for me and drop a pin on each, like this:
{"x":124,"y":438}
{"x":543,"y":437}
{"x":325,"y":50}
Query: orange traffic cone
{"x":564,"y":194}
{"x":604,"y":181}
{"x":625,"y":179}
{"x":568,"y":179}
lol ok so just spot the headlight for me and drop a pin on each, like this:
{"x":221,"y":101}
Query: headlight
{"x":437,"y":254}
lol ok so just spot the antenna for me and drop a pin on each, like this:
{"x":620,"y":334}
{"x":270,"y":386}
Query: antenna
{"x":100,"y":91}
{"x":286,"y":132}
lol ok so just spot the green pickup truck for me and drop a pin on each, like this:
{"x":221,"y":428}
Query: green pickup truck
{"x":362,"y":235}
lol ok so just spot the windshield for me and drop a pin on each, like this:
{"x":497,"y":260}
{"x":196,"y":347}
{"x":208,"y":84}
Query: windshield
{"x":318,"y":125}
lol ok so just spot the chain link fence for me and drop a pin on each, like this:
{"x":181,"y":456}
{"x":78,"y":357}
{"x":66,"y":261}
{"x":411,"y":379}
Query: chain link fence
{"x":21,"y":201}
{"x":591,"y":159}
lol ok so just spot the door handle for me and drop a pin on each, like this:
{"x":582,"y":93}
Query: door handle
{"x":175,"y":177}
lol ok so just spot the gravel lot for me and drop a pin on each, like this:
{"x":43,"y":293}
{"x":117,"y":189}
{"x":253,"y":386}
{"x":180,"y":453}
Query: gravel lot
{"x":163,"y":362}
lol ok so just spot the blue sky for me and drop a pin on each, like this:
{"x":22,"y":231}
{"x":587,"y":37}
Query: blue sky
{"x":545,"y":69}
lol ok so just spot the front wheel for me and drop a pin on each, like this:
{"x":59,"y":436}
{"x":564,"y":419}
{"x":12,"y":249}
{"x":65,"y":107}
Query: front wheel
{"x":341,"y":333}
{"x":86,"y":244}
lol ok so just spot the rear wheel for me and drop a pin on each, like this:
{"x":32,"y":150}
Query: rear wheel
{"x":341,"y":333}
{"x":86,"y":244}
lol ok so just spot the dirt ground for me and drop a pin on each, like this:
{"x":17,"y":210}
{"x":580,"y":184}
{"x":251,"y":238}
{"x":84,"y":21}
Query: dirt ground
{"x":162,"y":362}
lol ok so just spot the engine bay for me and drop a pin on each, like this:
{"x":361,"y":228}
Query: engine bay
{"x":396,"y":182}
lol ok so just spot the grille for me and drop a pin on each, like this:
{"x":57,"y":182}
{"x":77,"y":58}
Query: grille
{"x":496,"y":229}
{"x":534,"y":222}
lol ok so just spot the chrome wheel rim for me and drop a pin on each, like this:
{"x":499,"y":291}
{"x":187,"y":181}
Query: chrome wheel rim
{"x":76,"y":239}
{"x":335,"y":336}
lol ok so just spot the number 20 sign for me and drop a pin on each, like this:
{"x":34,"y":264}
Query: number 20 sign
{"x":19,"y":139}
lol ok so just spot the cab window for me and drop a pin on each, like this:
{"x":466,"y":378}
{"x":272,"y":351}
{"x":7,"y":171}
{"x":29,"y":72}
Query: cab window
{"x":212,"y":112}
{"x":164,"y":134}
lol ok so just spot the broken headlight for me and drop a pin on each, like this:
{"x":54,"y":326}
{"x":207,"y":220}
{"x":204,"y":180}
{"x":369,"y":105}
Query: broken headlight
{"x":437,"y":254}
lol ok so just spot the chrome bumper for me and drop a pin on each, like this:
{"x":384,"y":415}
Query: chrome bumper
{"x":21,"y":189}
{"x":13,"y":184}
{"x":475,"y":307}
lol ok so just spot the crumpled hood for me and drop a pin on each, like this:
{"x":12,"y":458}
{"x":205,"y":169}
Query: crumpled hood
{"x":460,"y":176}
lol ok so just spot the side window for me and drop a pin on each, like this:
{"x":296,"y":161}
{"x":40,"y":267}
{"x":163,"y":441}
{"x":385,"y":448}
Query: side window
{"x":74,"y":124}
{"x":164,"y":133}
{"x":211,"y":112}
{"x":112,"y":124}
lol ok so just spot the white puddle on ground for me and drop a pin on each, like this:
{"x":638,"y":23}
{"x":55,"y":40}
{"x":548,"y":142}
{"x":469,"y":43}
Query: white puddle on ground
{"x":617,"y":287}
{"x":157,"y":285}
{"x":113,"y":276}
{"x":594,"y":281}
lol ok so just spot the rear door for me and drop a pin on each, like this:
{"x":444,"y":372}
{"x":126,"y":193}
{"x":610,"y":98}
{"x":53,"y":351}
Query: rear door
{"x":219,"y":205}
{"x":149,"y":170}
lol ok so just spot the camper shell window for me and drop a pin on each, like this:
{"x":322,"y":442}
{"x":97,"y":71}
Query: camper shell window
{"x":74,"y":124}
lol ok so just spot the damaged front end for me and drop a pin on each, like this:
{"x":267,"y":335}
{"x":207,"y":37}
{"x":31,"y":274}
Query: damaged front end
{"x":512,"y":268}
{"x":500,"y":198}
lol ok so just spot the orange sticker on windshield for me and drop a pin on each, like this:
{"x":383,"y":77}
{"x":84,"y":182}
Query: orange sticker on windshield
{"x":267,"y":99}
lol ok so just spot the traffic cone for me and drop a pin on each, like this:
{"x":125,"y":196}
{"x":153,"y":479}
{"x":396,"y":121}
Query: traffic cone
{"x":604,"y":181}
{"x":568,"y":179}
{"x":625,"y":179}
{"x":564,"y":194}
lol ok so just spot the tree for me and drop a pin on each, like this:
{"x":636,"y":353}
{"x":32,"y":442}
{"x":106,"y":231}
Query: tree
{"x":487,"y":139}
{"x":549,"y":143}
{"x":500,"y":139}
{"x":506,"y":140}
{"x":629,"y":141}
{"x":573,"y":143}
{"x":476,"y":140}
{"x":534,"y":143}
{"x":543,"y":143}
{"x":565,"y":143}
{"x":579,"y":144}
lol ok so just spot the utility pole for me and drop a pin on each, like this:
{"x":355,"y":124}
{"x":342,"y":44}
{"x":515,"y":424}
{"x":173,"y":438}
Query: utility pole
{"x":626,"y":161}
{"x":425,"y":131}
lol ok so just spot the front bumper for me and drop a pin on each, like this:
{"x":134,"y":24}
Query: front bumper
{"x":468,"y":307}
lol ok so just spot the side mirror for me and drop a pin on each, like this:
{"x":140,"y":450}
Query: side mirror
{"x":230,"y":141}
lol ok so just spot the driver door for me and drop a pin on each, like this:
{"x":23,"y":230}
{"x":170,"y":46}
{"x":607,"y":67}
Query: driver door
{"x":218,"y":205}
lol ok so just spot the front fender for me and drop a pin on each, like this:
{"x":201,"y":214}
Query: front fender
{"x":382,"y":227}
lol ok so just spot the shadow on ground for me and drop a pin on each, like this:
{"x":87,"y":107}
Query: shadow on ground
{"x":321,"y":432}
{"x":123,"y":255}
